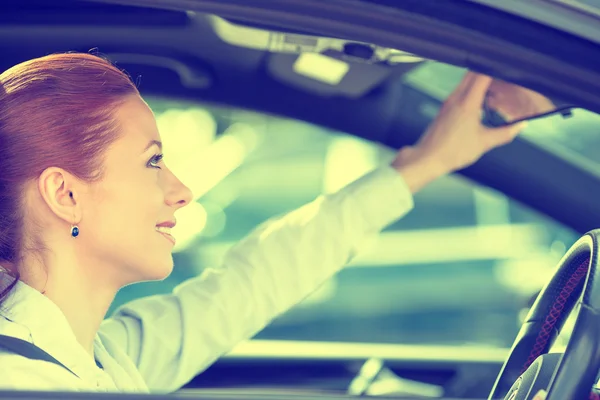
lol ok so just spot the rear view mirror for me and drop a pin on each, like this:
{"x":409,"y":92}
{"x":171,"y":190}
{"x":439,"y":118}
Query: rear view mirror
{"x":507,"y":103}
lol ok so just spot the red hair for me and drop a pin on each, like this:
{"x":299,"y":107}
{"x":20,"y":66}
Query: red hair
{"x":55,"y":111}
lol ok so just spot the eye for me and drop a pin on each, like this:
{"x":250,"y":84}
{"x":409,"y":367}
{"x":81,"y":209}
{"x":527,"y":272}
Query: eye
{"x":153,"y":162}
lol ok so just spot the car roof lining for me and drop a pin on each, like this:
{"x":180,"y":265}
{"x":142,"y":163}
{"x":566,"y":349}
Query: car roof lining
{"x":89,"y":13}
{"x":239,"y":79}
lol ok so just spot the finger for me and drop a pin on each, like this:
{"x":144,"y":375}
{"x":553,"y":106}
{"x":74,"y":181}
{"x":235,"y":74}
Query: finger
{"x":495,"y":137}
{"x":477,"y":89}
{"x":461,"y":89}
{"x":464,"y":83}
{"x":472,"y":90}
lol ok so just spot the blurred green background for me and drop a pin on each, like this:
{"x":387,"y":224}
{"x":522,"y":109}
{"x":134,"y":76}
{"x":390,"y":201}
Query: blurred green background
{"x":459,"y":269}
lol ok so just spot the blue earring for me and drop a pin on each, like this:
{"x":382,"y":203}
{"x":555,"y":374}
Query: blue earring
{"x":74,"y":231}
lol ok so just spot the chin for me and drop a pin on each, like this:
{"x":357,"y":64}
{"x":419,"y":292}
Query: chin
{"x":155,"y":271}
{"x":162,"y":271}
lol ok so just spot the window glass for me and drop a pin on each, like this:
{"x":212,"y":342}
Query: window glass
{"x":458,"y":269}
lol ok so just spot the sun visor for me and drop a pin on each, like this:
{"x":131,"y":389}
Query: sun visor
{"x":275,"y":41}
{"x":324,"y":65}
{"x":327,"y":74}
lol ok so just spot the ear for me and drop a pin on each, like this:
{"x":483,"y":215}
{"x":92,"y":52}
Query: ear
{"x":58,"y":189}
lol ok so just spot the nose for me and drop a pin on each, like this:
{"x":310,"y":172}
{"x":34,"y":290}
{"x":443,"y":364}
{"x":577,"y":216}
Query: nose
{"x":178,"y":195}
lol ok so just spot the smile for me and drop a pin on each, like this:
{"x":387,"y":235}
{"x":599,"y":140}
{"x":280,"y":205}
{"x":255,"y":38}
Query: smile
{"x":166,"y":232}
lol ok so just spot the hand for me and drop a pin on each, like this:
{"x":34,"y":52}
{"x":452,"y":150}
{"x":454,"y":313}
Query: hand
{"x":541,"y":395}
{"x":515,"y":102}
{"x":456,"y":138}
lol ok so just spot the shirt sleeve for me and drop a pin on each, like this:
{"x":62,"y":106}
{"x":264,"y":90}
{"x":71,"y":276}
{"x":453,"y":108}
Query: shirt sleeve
{"x":172,"y":338}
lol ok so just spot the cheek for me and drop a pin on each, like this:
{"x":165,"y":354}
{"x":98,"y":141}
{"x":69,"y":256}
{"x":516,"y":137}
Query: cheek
{"x":127,"y":205}
{"x":120,"y":229}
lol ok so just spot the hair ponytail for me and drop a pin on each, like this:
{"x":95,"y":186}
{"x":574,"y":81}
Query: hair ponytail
{"x":56,"y":111}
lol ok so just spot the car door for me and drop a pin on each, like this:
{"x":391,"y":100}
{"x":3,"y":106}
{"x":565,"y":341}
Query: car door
{"x":441,"y":318}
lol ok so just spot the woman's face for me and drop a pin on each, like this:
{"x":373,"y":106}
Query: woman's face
{"x":122,"y":214}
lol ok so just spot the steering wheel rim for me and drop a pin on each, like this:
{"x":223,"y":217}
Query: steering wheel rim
{"x":575,"y":280}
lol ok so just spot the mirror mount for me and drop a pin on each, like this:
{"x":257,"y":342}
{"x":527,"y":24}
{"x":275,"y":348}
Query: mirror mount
{"x":507,"y":104}
{"x":494,"y":119}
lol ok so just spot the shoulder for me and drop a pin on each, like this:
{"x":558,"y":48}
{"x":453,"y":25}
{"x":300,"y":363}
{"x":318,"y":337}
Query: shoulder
{"x":20,"y":373}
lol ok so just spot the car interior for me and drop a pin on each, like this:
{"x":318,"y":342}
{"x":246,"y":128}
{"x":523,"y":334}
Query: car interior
{"x":259,"y":119}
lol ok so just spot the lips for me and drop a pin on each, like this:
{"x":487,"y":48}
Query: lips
{"x":166,"y":232}
{"x":164,"y":228}
{"x":167,"y":224}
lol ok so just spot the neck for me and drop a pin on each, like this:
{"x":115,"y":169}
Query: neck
{"x":83,"y":298}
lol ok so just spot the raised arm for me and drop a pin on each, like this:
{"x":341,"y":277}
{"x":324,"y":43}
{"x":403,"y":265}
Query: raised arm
{"x":172,"y":338}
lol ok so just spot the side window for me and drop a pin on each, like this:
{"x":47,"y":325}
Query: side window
{"x":458,"y":269}
{"x":461,"y":268}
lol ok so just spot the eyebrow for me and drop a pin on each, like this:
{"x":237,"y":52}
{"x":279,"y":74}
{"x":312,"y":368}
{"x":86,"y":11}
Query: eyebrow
{"x":152,"y":143}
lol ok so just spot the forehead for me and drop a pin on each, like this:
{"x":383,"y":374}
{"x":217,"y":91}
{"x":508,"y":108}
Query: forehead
{"x":137,"y":125}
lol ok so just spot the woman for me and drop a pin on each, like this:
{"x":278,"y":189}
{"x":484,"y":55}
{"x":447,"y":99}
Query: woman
{"x":86,"y":207}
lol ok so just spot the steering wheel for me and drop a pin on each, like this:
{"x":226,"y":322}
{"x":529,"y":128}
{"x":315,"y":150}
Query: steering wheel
{"x":529,"y":368}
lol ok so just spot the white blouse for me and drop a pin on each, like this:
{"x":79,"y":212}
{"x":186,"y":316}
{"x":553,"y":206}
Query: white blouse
{"x":159,"y":343}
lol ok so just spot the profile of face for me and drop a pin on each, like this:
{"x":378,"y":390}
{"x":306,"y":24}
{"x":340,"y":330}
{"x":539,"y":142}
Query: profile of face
{"x":125,"y":217}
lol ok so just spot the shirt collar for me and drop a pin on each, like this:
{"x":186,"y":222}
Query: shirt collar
{"x":48,"y":329}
